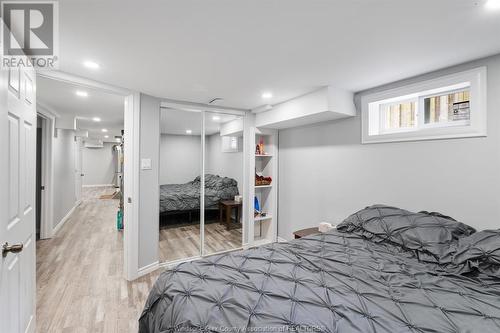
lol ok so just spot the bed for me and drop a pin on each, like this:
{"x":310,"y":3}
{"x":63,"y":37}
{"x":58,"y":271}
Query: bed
{"x":186,"y":197}
{"x":382,"y":270}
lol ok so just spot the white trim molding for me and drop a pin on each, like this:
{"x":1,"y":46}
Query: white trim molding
{"x":131,"y":166}
{"x":149,"y":268}
{"x":58,"y":226}
{"x":47,"y":206}
{"x":476,"y":83}
{"x":99,"y":185}
{"x":84,"y":82}
{"x":131,"y":175}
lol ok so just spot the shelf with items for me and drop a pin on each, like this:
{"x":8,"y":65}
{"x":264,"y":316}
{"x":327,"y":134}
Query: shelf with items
{"x":264,"y":144}
{"x":265,"y":186}
{"x":262,"y":218}
{"x":261,"y":180}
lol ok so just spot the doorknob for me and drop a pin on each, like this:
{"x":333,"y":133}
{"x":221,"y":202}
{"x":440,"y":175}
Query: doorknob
{"x":16,"y":248}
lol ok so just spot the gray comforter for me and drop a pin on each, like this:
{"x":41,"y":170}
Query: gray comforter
{"x":333,"y":282}
{"x":185,"y":197}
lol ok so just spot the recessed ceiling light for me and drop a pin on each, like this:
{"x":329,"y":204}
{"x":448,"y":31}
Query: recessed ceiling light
{"x":104,"y":130}
{"x":82,"y":93}
{"x":189,"y":131}
{"x":91,"y":64}
{"x":215,"y":118}
{"x":106,"y":136}
{"x":267,"y":95}
{"x":96,"y":119}
{"x":493,"y":4}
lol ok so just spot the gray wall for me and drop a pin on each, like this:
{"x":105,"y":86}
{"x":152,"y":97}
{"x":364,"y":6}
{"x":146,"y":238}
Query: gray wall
{"x":149,"y":180}
{"x":224,"y":164}
{"x":179,"y":158}
{"x":98,"y":165}
{"x":64,"y":150}
{"x":326,"y":174}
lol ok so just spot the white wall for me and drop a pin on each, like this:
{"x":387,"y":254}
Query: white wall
{"x":224,"y":164}
{"x":326,"y":174}
{"x":98,"y":165}
{"x":179,"y":158}
{"x":64,"y":150}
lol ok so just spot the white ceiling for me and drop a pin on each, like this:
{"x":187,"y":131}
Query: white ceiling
{"x":178,"y":121}
{"x":197,"y":50}
{"x":61,"y":97}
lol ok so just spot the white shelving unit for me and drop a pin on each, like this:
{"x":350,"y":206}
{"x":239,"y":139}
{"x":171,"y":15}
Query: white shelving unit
{"x":265,"y":227}
{"x":262,"y":218}
{"x":263,"y":186}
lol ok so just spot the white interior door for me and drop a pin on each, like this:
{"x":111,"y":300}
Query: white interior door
{"x":78,"y":170}
{"x":17,"y":200}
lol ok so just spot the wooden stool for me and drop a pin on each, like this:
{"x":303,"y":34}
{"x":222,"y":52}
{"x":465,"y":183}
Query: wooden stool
{"x":228,"y":206}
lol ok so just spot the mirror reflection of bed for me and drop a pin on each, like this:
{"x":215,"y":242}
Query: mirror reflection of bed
{"x":180,"y":185}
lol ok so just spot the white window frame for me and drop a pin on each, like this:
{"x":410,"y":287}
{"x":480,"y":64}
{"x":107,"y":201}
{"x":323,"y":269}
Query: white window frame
{"x":474,"y":80}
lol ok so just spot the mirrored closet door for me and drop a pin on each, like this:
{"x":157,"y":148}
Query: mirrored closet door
{"x":223,"y":182}
{"x":180,"y":184}
{"x":201,"y":182}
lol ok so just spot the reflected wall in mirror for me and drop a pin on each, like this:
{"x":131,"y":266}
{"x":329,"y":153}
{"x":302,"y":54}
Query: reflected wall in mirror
{"x":180,"y":187}
{"x":223,"y":182}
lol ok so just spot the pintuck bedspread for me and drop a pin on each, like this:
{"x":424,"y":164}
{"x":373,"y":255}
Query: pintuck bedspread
{"x":332,"y":282}
{"x":185,"y":197}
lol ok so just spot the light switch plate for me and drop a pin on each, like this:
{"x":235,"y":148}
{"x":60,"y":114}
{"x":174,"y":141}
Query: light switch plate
{"x":146,"y":164}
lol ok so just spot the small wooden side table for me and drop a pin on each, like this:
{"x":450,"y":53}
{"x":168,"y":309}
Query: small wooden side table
{"x":305,"y":232}
{"x":227,"y":207}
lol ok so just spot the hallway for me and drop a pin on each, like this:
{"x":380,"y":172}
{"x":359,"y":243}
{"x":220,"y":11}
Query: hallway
{"x":80,"y":287}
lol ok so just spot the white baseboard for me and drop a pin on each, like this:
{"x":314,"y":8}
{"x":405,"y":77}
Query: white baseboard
{"x":99,"y":185}
{"x":173,"y":263}
{"x":31,"y":325}
{"x":282,"y":240}
{"x":64,"y":219}
{"x":148,"y":268}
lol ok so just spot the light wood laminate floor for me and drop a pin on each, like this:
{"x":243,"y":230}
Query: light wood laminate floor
{"x":184,"y":242}
{"x":80,"y":284}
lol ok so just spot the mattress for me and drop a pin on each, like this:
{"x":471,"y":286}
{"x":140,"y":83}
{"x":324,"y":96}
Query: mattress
{"x":332,"y":282}
{"x":186,"y":197}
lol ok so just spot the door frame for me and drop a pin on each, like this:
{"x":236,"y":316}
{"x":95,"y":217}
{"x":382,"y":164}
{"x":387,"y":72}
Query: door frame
{"x":78,"y":170}
{"x":46,"y":217}
{"x":131,"y":164}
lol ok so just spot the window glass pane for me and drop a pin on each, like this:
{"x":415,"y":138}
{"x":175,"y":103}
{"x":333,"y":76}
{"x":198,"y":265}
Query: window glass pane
{"x":400,"y":115}
{"x":447,"y":108}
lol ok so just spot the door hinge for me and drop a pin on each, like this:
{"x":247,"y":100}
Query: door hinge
{"x":42,"y":188}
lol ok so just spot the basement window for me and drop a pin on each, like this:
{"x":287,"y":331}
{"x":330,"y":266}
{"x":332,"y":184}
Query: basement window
{"x":453,"y":106}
